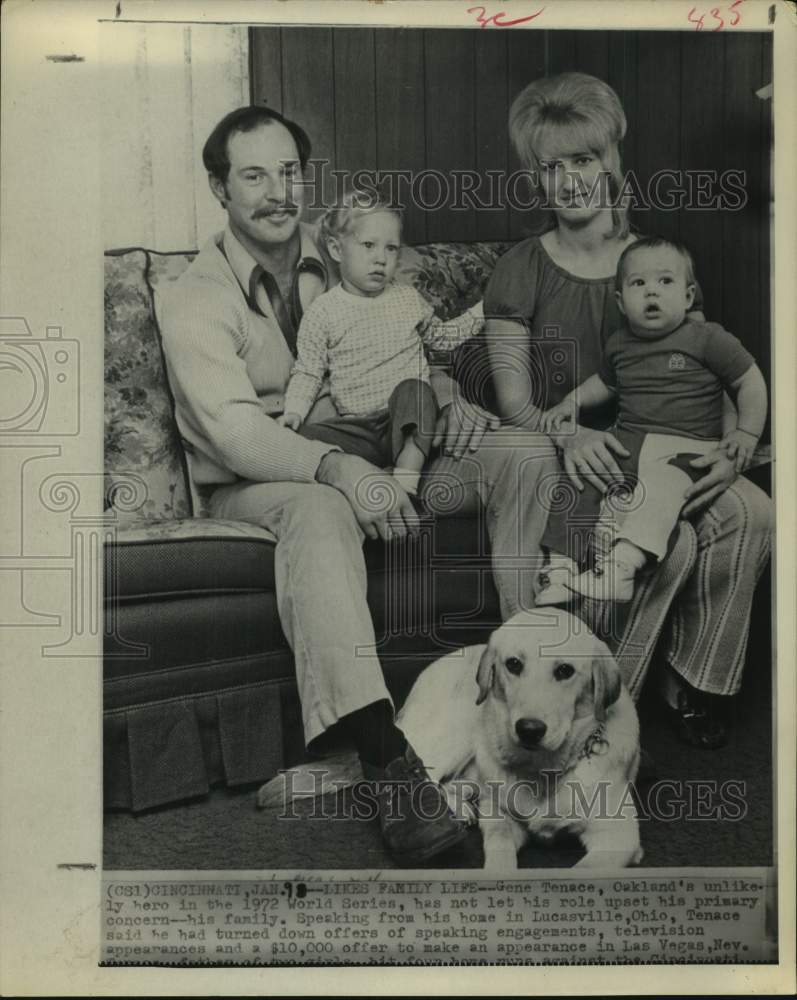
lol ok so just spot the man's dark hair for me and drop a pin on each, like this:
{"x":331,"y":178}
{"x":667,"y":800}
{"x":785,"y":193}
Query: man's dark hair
{"x":215,"y":155}
{"x":654,"y":243}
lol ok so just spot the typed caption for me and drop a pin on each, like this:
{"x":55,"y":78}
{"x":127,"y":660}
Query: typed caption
{"x":700,"y":918}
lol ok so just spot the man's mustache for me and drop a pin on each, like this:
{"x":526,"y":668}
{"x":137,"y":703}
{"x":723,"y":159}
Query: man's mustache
{"x":264,"y":213}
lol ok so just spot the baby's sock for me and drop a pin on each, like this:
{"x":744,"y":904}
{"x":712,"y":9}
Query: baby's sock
{"x":627,"y":553}
{"x":559,"y":561}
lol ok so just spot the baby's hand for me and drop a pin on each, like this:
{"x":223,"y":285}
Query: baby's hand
{"x":291,"y":420}
{"x":559,"y":416}
{"x":739,"y":446}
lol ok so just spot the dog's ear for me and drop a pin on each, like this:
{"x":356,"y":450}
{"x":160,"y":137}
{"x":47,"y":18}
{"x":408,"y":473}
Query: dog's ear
{"x":606,"y":684}
{"x":485,"y":675}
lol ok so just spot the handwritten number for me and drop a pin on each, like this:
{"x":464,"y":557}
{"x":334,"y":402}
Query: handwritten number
{"x":715,"y":13}
{"x":518,"y":20}
{"x":699,"y":24}
{"x":484,"y":21}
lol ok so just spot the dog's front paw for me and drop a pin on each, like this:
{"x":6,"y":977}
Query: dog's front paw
{"x":500,"y":860}
{"x":462,"y":800}
{"x":609,"y":860}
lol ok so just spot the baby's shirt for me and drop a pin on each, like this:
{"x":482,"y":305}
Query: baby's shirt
{"x":367,"y":345}
{"x":673,"y":384}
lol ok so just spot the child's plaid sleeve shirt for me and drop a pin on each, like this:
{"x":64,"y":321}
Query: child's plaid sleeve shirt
{"x":367,"y":346}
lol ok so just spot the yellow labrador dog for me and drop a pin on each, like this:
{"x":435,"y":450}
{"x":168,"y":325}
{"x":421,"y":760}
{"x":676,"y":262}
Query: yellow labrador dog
{"x":532,"y":734}
{"x":537,"y":730}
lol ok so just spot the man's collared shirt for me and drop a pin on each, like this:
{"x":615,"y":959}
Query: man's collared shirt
{"x":310,"y":278}
{"x":229,"y":364}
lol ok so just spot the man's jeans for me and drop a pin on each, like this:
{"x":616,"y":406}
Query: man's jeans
{"x":320,"y":569}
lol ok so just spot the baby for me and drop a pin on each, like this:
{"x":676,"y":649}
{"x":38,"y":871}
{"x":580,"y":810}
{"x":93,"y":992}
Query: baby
{"x":367,"y":335}
{"x":667,"y":373}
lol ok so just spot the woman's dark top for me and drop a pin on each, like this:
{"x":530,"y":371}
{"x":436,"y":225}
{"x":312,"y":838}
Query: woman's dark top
{"x":568,"y":318}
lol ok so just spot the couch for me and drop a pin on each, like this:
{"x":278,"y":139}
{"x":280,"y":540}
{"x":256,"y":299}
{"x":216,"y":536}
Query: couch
{"x":198,"y":677}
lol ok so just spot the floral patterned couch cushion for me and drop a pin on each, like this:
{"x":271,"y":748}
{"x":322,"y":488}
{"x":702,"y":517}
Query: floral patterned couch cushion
{"x":188,"y":529}
{"x":143,"y":459}
{"x":164,"y":268}
{"x":144,"y":463}
{"x":452,"y":276}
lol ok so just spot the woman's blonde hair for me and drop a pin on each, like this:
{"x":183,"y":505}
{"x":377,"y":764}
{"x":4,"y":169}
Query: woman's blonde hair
{"x":354,"y":204}
{"x":576,"y":111}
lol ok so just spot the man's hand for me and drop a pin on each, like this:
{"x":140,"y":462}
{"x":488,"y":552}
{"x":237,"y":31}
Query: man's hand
{"x":589,"y":455}
{"x":381,"y":506}
{"x":292,"y":420}
{"x":461,"y":426}
{"x":720,"y":475}
{"x":739,"y":446}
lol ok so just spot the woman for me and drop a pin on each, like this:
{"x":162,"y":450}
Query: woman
{"x":551,"y":306}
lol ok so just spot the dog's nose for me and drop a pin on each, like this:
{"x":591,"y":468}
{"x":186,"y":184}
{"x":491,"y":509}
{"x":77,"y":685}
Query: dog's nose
{"x":530,"y":731}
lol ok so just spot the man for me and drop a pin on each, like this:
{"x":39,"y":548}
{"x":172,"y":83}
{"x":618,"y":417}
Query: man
{"x":229,"y":331}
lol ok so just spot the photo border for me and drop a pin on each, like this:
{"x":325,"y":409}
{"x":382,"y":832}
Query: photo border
{"x":51,"y":735}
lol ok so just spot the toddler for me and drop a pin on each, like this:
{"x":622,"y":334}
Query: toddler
{"x":667,"y":373}
{"x":367,"y":335}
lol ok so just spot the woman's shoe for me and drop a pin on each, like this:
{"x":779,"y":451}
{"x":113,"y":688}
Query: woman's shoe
{"x":697,"y":722}
{"x":647,"y":772}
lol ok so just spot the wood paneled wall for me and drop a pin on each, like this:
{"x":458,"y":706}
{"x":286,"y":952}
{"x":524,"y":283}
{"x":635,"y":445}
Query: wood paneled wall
{"x":413,"y":99}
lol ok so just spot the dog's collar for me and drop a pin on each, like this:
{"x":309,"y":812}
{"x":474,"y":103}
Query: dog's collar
{"x":596,"y":744}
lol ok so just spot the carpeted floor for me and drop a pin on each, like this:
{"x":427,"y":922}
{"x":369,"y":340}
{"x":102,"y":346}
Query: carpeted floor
{"x":226,"y":831}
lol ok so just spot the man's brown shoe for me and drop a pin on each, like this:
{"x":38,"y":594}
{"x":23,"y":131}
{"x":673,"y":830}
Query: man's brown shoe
{"x":414,"y":816}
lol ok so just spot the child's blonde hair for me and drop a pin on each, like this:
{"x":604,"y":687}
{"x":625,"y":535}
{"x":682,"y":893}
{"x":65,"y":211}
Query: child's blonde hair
{"x":580,"y":111}
{"x":354,"y":204}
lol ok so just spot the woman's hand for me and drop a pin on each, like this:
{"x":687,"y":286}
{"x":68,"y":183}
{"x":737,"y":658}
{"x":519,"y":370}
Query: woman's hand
{"x":720,"y":475}
{"x":461,"y":426}
{"x":590,"y":454}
